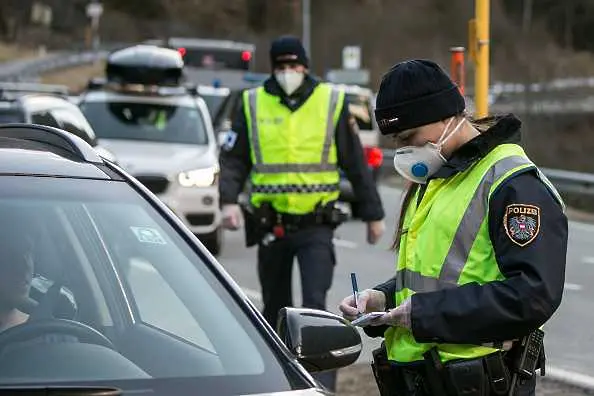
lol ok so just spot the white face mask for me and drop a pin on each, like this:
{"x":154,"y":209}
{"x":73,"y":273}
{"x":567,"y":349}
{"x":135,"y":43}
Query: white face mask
{"x":417,"y":164}
{"x":289,"y":80}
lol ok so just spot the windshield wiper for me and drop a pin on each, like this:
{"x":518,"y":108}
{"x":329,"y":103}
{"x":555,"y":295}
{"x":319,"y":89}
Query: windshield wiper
{"x":59,"y":391}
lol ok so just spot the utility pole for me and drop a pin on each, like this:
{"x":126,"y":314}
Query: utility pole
{"x":306,"y":29}
{"x":526,"y":26}
{"x":479,"y":49}
{"x":94,"y":11}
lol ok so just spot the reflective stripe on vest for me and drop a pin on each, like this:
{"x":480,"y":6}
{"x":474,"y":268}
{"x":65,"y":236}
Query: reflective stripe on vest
{"x":294,"y":155}
{"x":293,"y":188}
{"x":465,"y":236}
{"x":324,"y":166}
{"x":446,"y":243}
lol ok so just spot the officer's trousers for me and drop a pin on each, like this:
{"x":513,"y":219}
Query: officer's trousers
{"x":314,"y":250}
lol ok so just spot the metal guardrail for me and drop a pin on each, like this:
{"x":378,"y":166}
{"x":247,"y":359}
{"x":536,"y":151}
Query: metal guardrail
{"x":569,"y":181}
{"x":30,"y":69}
{"x":563,"y":180}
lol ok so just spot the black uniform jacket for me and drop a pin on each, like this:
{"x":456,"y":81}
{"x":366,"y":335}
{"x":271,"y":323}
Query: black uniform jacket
{"x":236,"y":164}
{"x":535,"y":273}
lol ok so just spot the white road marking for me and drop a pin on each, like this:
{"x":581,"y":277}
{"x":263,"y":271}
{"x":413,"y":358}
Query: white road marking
{"x":588,"y":260}
{"x":573,"y":286}
{"x":570,"y":377}
{"x":345,"y":244}
{"x":581,"y":226}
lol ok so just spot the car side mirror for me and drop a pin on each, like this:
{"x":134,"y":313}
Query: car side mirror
{"x":319,"y":340}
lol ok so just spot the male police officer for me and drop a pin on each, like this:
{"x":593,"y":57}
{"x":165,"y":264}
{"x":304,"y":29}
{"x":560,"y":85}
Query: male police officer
{"x":291,"y":136}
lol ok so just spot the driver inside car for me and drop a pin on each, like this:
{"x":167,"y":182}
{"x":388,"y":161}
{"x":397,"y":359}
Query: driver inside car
{"x":17,"y":266}
{"x":16,"y":275}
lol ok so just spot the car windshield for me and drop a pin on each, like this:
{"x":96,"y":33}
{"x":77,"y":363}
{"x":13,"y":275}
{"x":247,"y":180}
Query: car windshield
{"x":140,"y":309}
{"x":146,"y":121}
{"x":213,"y":102}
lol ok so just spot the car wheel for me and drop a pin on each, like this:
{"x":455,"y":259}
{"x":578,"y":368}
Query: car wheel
{"x":213,"y":241}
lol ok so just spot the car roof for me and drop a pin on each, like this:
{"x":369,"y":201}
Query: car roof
{"x":213,"y":91}
{"x":204,"y":43}
{"x":34,"y":101}
{"x":109,"y":96}
{"x":36,"y":150}
{"x":354,"y":89}
{"x":17,"y":94}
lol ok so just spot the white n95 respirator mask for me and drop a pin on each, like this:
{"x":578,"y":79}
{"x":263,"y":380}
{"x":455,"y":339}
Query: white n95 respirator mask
{"x":418,"y":163}
{"x":289,"y":80}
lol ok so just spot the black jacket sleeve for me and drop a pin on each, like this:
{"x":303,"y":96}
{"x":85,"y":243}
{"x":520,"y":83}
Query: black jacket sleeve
{"x":234,"y":160}
{"x":534,"y":277}
{"x":351,"y":160}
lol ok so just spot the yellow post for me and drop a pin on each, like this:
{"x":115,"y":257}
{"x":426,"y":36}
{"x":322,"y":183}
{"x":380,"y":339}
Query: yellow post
{"x":481,"y":84}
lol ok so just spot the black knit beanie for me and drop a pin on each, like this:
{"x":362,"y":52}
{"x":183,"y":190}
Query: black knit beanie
{"x":288,"y":49}
{"x":416,"y":93}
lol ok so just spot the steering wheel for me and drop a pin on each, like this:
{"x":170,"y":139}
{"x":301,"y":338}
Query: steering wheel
{"x":38,"y":328}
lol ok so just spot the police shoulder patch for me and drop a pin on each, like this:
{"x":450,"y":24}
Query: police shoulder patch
{"x":229,"y":140}
{"x":522,"y":223}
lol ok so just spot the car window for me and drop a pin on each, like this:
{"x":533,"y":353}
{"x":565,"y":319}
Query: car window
{"x":73,"y":121}
{"x":213,"y":102}
{"x":44,"y":117}
{"x":123,"y":270}
{"x":360,"y":107}
{"x":145,"y":282}
{"x":8,"y":116}
{"x":228,"y":109}
{"x":145,"y":121}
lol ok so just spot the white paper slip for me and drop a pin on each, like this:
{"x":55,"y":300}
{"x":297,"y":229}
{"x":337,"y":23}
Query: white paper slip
{"x":364,"y":320}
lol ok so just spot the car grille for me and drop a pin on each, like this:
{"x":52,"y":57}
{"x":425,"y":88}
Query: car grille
{"x":200,"y":219}
{"x":157,"y":184}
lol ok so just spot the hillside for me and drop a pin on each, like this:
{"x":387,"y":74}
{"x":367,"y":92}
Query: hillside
{"x":387,"y":30}
{"x":551,"y":40}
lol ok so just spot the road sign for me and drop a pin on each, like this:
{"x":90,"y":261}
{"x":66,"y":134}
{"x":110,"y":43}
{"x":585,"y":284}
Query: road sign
{"x":94,"y":10}
{"x":351,"y":57}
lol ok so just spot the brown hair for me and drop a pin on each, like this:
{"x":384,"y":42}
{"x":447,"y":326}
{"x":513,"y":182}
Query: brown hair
{"x":481,"y":125}
{"x":408,"y":194}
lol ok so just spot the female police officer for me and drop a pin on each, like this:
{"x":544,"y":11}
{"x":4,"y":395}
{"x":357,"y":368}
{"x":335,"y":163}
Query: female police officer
{"x":482,"y":242}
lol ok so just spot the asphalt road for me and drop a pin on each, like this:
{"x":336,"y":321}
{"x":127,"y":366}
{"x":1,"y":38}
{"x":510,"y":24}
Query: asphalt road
{"x":569,"y":336}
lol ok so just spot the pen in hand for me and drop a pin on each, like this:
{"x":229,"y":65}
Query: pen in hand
{"x":355,"y":290}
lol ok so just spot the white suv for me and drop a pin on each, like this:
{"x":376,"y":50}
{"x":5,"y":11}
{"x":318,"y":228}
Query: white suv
{"x":165,"y":139}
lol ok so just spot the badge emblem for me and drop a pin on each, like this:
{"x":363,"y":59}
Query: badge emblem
{"x":229,"y":140}
{"x":522,"y":223}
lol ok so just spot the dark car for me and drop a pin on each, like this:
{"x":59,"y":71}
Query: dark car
{"x":126,"y":298}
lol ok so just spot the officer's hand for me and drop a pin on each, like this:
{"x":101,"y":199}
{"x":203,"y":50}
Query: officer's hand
{"x":375,"y":230}
{"x":369,"y":301}
{"x":399,"y":316}
{"x":231,"y":216}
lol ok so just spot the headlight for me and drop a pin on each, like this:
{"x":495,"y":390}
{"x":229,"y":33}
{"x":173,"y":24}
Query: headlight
{"x":199,"y":177}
